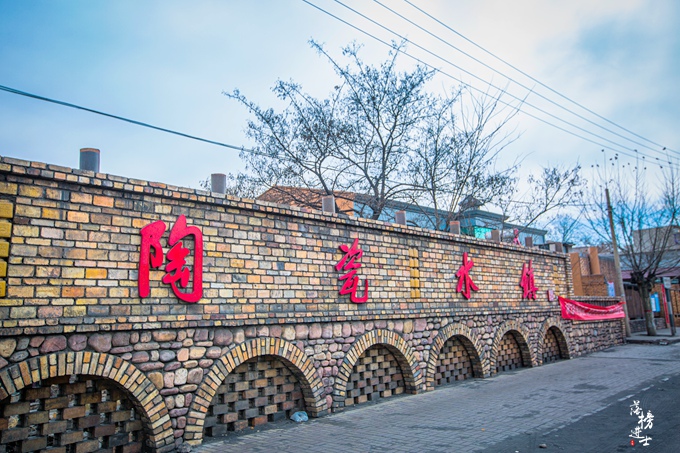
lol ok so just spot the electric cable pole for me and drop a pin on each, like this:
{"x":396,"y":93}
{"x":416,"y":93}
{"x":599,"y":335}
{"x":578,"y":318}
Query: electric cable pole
{"x":618,"y":283}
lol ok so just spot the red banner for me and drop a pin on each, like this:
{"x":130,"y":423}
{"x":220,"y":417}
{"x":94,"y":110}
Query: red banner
{"x":580,"y":311}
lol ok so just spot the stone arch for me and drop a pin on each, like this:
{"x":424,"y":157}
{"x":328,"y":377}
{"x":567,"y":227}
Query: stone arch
{"x":521,"y":334}
{"x":142,"y":392}
{"x":303,"y":368}
{"x":559,"y":328}
{"x":471,"y":342}
{"x":413,"y":379}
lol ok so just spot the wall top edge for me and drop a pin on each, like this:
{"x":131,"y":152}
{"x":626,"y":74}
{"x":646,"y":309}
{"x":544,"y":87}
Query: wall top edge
{"x":33,"y":169}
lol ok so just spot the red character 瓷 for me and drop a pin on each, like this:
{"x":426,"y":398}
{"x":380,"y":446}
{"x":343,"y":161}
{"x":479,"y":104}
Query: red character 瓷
{"x":349,"y":262}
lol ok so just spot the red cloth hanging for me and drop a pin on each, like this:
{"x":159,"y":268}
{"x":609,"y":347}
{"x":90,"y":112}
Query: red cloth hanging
{"x":580,"y":311}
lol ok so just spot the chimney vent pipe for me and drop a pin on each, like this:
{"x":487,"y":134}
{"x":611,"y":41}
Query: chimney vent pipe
{"x":89,"y":159}
{"x":328,"y":204}
{"x":218,"y":183}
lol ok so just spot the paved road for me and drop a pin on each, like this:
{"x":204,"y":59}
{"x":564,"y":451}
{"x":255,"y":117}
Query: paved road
{"x":514,"y":411}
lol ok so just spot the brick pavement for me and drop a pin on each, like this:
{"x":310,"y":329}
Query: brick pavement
{"x":474,"y":414}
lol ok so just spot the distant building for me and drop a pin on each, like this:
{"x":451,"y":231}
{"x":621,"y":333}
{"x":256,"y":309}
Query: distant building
{"x":593,"y":274}
{"x":473,"y":221}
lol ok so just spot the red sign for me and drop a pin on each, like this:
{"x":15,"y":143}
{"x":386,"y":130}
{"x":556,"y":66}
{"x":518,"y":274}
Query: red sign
{"x":177,"y":274}
{"x":580,"y":311}
{"x":349,"y":262}
{"x":528,"y":285}
{"x":465,"y":283}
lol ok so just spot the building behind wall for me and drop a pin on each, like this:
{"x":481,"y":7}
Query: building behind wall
{"x":594,"y":275}
{"x":474,"y":222}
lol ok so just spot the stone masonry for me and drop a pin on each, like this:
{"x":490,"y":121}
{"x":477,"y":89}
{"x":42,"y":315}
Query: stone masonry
{"x":271,"y":333}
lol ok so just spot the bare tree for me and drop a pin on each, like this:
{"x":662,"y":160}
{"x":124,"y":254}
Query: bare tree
{"x":553,"y":190}
{"x":296,"y":147}
{"x":380,"y":138}
{"x":569,"y":228}
{"x":457,"y":154}
{"x":355,"y":141}
{"x":646,"y":226}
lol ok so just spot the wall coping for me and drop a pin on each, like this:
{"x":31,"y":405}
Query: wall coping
{"x":52,"y":172}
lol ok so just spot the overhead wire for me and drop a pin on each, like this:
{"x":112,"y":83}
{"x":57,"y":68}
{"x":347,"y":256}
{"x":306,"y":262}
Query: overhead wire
{"x":477,"y":60}
{"x":440,"y":71}
{"x":166,"y":130}
{"x":121,"y":118}
{"x":486,"y":82}
{"x":567,"y":98}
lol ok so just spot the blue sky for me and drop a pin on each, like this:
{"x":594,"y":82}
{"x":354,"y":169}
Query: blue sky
{"x":167,"y":63}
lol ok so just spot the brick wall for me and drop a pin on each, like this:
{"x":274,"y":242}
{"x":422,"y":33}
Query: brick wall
{"x":595,"y":285}
{"x":270,"y":304}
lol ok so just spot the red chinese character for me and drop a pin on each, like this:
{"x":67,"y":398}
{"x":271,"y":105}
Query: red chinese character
{"x":351,"y":281}
{"x":515,"y":239}
{"x":465,"y":283}
{"x":151,"y":247}
{"x":176,"y":271}
{"x":528,"y":285}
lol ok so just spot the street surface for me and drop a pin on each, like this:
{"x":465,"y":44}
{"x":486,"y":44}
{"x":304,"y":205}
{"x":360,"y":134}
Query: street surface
{"x":578,"y":405}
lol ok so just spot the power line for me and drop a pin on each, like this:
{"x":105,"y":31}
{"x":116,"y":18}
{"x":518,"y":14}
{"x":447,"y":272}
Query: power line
{"x":515,"y":81}
{"x":121,"y":118}
{"x":490,"y":84}
{"x":473,"y":87}
{"x":480,"y":79}
{"x":538,"y":81}
{"x":170,"y":131}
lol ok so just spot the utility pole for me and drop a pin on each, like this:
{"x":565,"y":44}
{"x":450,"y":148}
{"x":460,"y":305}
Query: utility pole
{"x":669,"y":301}
{"x":618,"y":280}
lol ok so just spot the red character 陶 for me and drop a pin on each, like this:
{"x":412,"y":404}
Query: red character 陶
{"x":177,"y":273}
{"x":150,"y":248}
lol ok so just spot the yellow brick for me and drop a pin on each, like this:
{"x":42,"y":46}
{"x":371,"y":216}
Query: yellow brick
{"x":31,"y":191}
{"x":4,"y":249}
{"x":27,"y":211}
{"x":5,"y":229}
{"x":47,"y":291}
{"x":86,"y":302}
{"x":6,"y":209}
{"x":8,"y":188}
{"x":21,"y":291}
{"x":3,"y":268}
{"x":25,"y":230}
{"x":73,"y":272}
{"x":95,"y":273}
{"x":140,"y":223}
{"x":75,"y":216}
{"x":52,"y":214}
{"x":74,"y":312}
{"x":103,"y":201}
{"x":81,"y":198}
{"x":3,"y":288}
